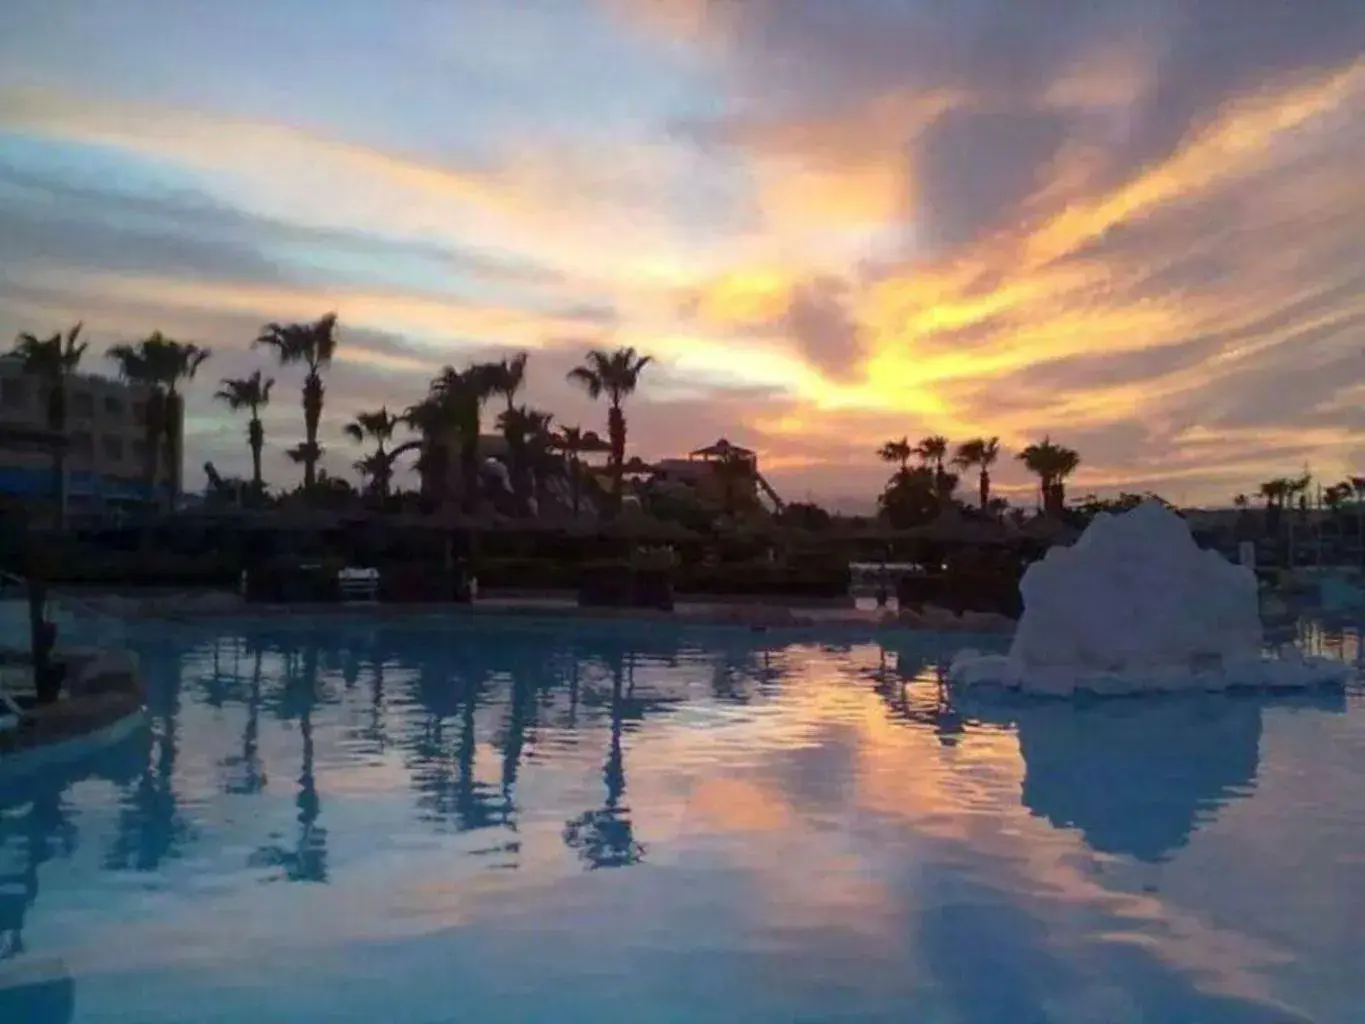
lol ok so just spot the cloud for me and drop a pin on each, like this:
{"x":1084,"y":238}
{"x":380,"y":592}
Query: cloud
{"x":1136,"y":227}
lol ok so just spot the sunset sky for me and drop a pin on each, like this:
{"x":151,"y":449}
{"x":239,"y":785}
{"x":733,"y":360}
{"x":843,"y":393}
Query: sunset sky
{"x":1135,"y":225}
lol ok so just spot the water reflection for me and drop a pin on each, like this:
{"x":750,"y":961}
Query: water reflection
{"x":290,"y":753}
{"x":37,"y":825}
{"x":604,"y":837}
{"x":1136,"y":776}
{"x":152,"y":827}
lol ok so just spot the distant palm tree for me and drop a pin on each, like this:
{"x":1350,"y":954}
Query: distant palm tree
{"x":524,"y":430}
{"x":1275,"y":492}
{"x":980,"y":453}
{"x":933,"y":451}
{"x":161,"y":364}
{"x":1052,"y":464}
{"x":313,"y":345}
{"x":615,"y":375}
{"x":897,"y":452}
{"x":430,"y":419}
{"x":253,"y":394}
{"x":574,"y":442}
{"x":377,"y":426}
{"x":508,"y":376}
{"x":52,"y":361}
{"x":459,"y":396}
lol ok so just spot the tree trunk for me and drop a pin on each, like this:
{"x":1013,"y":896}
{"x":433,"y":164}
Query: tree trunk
{"x":174,"y":427}
{"x":56,"y":422}
{"x":312,"y":415}
{"x":256,"y":439}
{"x":616,"y":431}
{"x":154,"y":429}
{"x":985,"y":488}
{"x":469,"y":473}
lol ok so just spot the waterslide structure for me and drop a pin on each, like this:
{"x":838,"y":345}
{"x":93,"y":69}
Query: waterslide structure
{"x":767,"y":490}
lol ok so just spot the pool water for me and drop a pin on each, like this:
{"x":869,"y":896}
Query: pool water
{"x":425,"y":822}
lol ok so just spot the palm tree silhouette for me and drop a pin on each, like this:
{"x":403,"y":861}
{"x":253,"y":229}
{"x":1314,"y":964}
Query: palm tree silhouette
{"x":897,"y":452}
{"x":313,"y":345}
{"x":53,"y":360}
{"x":252,"y":394}
{"x":979,"y":453}
{"x":161,"y":364}
{"x":377,"y":426}
{"x":615,"y":375}
{"x":1052,"y":464}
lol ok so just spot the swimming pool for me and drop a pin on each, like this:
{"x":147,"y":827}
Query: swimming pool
{"x":419,"y":821}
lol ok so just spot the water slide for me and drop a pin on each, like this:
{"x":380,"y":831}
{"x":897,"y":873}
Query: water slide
{"x":767,"y":489}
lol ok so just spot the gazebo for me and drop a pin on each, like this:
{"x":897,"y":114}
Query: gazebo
{"x":723,"y":450}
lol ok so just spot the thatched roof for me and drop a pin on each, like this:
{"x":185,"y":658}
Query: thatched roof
{"x":721,"y":449}
{"x":952,"y":527}
{"x":1049,"y":530}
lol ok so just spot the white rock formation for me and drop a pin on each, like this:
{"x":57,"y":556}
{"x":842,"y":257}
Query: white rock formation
{"x":1136,"y":606}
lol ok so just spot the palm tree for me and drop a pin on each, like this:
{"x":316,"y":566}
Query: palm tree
{"x":541,"y":462}
{"x":574,"y":442}
{"x":981,"y":453}
{"x":313,"y":345}
{"x":459,"y":396}
{"x":897,"y":452}
{"x":52,"y":361}
{"x":933,"y":450}
{"x":1052,"y":463}
{"x":377,"y":426}
{"x":508,"y":376}
{"x":522,"y":427}
{"x":161,"y":364}
{"x":1274,"y":492}
{"x":616,"y":375}
{"x":253,"y":394}
{"x":430,"y":419}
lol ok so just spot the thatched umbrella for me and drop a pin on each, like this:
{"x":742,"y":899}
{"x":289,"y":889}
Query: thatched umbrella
{"x":952,"y":527}
{"x":1048,"y":529}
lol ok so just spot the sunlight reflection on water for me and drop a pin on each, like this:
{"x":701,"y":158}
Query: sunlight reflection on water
{"x":575,"y":821}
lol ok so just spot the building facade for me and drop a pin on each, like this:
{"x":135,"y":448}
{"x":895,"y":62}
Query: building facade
{"x":105,"y":440}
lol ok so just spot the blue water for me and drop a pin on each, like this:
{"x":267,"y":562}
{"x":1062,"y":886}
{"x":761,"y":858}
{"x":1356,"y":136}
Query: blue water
{"x":420,"y":822}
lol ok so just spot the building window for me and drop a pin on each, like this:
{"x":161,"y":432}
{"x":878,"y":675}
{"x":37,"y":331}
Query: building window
{"x":83,"y":444}
{"x":113,"y":405}
{"x":113,"y":448}
{"x":140,"y":450}
{"x":13,"y":393}
{"x":83,"y":405}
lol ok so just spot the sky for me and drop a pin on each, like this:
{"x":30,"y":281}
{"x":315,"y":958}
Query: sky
{"x":1133,"y":226}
